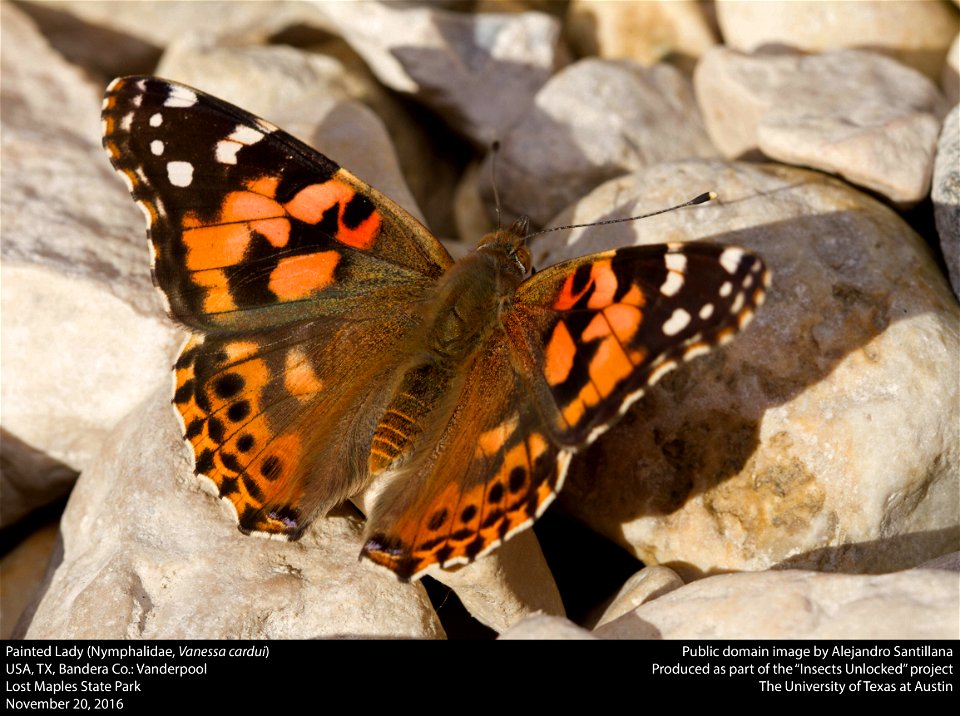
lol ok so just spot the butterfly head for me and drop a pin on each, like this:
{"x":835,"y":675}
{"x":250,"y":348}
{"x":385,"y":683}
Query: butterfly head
{"x":511,"y":246}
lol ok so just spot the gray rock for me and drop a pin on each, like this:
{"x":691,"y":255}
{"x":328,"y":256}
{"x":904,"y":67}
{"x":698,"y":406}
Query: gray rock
{"x":946,"y":195}
{"x":595,"y":120}
{"x":853,"y":113}
{"x":480,"y":72}
{"x":826,"y":435}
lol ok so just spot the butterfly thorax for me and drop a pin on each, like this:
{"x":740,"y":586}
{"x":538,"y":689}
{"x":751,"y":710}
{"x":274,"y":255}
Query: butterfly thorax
{"x":459,"y":317}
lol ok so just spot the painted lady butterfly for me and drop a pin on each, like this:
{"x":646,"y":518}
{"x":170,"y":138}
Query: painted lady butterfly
{"x":335,"y":339}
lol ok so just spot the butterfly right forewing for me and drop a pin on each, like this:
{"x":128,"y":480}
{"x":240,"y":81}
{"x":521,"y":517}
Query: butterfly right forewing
{"x":592,"y":333}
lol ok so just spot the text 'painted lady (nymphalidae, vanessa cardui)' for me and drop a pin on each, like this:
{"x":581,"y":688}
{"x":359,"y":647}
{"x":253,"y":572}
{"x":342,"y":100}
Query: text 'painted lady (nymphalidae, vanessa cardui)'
{"x":335,"y":340}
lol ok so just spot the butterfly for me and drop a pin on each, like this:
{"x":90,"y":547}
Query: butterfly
{"x":334,"y":340}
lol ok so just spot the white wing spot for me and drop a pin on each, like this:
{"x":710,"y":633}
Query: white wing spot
{"x":726,"y":288}
{"x":673,"y":284}
{"x":242,"y":136}
{"x":730,"y":259}
{"x":156,"y":119}
{"x":126,"y":122}
{"x":180,"y":97}
{"x":156,"y":146}
{"x":137,"y":100}
{"x":180,"y":173}
{"x":676,"y":265}
{"x":737,"y":303}
{"x":706,"y":311}
{"x":677,"y":322}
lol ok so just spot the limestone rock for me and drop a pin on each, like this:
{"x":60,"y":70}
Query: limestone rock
{"x":826,"y":435}
{"x":480,"y":72}
{"x":946,"y":195}
{"x":643,"y":31}
{"x":29,"y":479}
{"x":914,"y":604}
{"x":149,"y":554}
{"x":647,"y":584}
{"x":857,"y":114}
{"x":914,"y":33}
{"x":161,"y":24}
{"x":593,"y":121}
{"x":543,"y":626}
{"x":23,"y":568}
{"x":83,"y":329}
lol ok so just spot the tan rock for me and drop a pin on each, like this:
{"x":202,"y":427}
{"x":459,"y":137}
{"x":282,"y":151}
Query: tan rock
{"x":149,"y":554}
{"x":643,"y":31}
{"x":826,"y":435}
{"x":914,"y":604}
{"x":29,"y":479}
{"x":852,"y":113}
{"x":916,"y":33}
{"x":950,"y":77}
{"x":23,"y":569}
{"x":946,"y":195}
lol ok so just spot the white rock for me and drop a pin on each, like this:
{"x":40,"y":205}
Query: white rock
{"x":826,"y":435}
{"x":595,"y":120}
{"x":914,"y":604}
{"x":857,"y":114}
{"x":543,"y":626}
{"x":83,"y":329}
{"x":647,"y":584}
{"x":148,"y":553}
{"x":916,"y":33}
{"x":644,"y":31}
{"x":480,"y":72}
{"x":946,"y":195}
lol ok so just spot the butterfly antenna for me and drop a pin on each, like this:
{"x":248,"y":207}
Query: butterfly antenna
{"x":494,"y":150}
{"x":702,"y":199}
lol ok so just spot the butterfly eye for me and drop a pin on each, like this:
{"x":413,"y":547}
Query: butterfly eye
{"x":522,"y":256}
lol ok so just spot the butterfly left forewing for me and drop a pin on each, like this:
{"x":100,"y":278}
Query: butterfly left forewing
{"x":250,"y":227}
{"x":593,"y":332}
